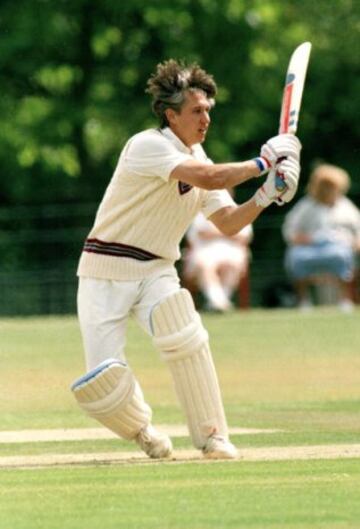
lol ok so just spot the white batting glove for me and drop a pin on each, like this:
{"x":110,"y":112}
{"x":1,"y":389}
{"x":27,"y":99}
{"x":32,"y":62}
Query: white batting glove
{"x":279,"y":147}
{"x":289,"y":172}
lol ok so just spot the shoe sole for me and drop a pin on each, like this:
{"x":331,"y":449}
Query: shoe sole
{"x":217,"y":454}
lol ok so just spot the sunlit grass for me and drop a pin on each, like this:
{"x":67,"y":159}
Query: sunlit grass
{"x":278,"y":369}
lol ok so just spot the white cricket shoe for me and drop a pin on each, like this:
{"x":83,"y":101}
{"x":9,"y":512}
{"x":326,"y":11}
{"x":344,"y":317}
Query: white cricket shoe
{"x":305,"y":305}
{"x":153,"y":443}
{"x":218,"y":447}
{"x":346,"y":306}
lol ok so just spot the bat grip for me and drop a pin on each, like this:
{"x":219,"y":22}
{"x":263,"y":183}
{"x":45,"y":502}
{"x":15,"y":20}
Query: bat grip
{"x":279,"y":182}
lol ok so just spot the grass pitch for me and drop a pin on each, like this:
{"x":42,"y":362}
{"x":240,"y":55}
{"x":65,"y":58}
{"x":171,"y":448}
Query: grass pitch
{"x":298,"y":373}
{"x":249,"y":495}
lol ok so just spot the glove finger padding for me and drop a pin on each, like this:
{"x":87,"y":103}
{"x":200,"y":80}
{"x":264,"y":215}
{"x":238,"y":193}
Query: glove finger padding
{"x":289,"y":170}
{"x":281,"y":146}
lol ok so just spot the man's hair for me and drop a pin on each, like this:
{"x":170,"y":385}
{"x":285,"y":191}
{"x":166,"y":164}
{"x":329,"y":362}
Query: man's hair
{"x":170,"y":82}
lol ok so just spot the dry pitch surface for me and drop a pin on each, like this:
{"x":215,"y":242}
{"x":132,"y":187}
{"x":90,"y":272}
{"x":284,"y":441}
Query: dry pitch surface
{"x":343,"y":451}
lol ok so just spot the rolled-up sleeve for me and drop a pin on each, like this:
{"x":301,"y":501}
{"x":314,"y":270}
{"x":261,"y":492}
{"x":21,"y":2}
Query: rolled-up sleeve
{"x":215,"y":200}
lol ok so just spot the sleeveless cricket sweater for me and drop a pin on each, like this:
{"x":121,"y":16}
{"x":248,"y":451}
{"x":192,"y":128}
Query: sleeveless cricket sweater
{"x":144,"y":213}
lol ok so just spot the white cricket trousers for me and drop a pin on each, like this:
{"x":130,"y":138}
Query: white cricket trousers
{"x":104,"y":307}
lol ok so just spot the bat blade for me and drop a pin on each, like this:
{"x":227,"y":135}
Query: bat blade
{"x":292,"y":95}
{"x":293,"y":90}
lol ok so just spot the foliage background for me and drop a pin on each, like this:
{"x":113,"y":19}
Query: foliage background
{"x":72,"y":77}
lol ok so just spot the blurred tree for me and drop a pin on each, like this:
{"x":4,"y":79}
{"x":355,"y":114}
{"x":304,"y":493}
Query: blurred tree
{"x":73,"y":74}
{"x":73,"y":77}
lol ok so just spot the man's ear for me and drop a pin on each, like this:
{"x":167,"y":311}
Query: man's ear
{"x":170,"y":115}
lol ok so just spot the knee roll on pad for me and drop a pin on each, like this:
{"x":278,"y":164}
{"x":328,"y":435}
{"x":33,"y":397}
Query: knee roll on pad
{"x":111,"y":394}
{"x":183,"y":342}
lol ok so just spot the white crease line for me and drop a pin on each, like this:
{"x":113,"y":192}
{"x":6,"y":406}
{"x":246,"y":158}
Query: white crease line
{"x":91,"y":434}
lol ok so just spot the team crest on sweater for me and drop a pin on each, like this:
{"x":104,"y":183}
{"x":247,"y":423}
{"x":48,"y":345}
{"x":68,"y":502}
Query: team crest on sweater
{"x":184,"y":188}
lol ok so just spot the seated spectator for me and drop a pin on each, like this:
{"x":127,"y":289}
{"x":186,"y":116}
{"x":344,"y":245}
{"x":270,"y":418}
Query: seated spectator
{"x":216,"y":263}
{"x":323,"y":235}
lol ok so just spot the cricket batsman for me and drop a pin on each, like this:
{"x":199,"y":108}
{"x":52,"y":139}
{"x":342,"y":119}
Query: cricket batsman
{"x":162,"y":180}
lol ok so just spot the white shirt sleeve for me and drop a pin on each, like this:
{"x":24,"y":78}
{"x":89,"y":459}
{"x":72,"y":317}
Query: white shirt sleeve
{"x":153,"y":155}
{"x":215,"y":200}
{"x":247,"y":232}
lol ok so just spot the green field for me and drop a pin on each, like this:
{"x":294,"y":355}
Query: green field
{"x":295,"y":373}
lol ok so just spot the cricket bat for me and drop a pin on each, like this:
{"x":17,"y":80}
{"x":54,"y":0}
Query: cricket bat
{"x":292,"y":95}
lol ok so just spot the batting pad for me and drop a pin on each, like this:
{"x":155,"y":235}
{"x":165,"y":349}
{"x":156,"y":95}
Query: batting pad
{"x":183,"y":342}
{"x":111,"y":394}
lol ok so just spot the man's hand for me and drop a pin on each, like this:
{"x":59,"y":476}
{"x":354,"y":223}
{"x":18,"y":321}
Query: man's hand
{"x":289,"y":170}
{"x":280,"y":147}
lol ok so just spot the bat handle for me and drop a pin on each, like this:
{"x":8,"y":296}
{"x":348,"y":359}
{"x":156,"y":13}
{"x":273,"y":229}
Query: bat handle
{"x":279,"y":181}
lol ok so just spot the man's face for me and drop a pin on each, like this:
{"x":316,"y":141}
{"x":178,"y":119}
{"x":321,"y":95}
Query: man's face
{"x":193,"y":120}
